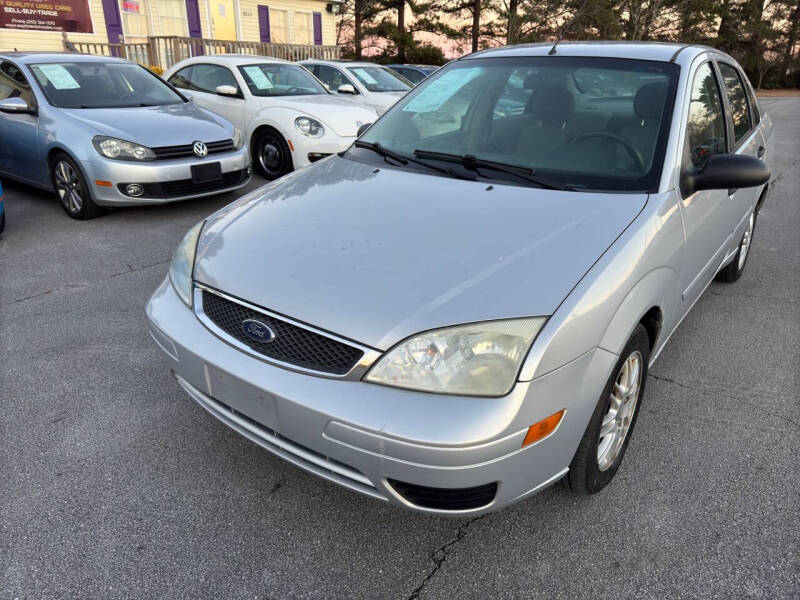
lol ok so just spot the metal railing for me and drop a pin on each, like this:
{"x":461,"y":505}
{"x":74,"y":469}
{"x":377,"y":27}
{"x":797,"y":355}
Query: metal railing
{"x":164,"y":51}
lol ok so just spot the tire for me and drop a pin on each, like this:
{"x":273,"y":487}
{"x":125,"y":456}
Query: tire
{"x":734,"y":269}
{"x":71,"y":189}
{"x":597,"y":459}
{"x":271,"y":155}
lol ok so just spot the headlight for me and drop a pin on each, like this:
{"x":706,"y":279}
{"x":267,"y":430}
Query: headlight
{"x":120,"y":149}
{"x":310,"y":127}
{"x":182,"y":264}
{"x":482,"y":359}
{"x":237,"y":138}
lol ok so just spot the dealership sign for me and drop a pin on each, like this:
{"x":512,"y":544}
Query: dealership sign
{"x":46,"y":15}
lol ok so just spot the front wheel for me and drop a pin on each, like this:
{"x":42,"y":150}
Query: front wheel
{"x":603,"y":446}
{"x":271,"y":154}
{"x":734,"y":269}
{"x":72,"y":190}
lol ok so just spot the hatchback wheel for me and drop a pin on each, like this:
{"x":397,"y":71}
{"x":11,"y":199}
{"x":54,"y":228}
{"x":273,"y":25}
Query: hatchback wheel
{"x":603,"y":446}
{"x":271,"y":154}
{"x":734,"y":269}
{"x":72,"y":190}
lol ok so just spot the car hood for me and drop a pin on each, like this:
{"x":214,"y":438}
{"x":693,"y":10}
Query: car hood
{"x":383,"y":101}
{"x":154,"y":126}
{"x":376,"y":255}
{"x":340,"y":114}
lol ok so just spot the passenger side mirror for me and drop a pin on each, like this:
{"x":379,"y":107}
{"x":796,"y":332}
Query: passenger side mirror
{"x":363,"y":129}
{"x":227,"y":90}
{"x":16,"y":106}
{"x":725,"y":172}
{"x":346,"y":88}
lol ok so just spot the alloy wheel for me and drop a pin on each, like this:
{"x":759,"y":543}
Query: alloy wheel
{"x":269,"y":156}
{"x":68,"y":186}
{"x":621,"y":409}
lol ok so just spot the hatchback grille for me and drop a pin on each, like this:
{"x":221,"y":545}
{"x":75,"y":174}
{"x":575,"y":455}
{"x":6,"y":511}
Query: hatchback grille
{"x":186,"y":187}
{"x":165,"y":152}
{"x":446,"y":498}
{"x":293,"y":344}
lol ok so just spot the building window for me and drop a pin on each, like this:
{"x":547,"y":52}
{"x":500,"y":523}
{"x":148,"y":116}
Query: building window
{"x":302,"y":28}
{"x":172,"y":17}
{"x":278,"y":26}
{"x":135,"y":20}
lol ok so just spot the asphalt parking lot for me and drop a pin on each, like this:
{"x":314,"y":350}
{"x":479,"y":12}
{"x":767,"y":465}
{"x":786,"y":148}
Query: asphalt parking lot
{"x":114,"y":484}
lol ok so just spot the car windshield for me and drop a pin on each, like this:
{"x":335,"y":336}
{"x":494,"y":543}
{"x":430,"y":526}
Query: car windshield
{"x":102,"y":85}
{"x":380,"y":79}
{"x":590,"y":123}
{"x":269,"y":79}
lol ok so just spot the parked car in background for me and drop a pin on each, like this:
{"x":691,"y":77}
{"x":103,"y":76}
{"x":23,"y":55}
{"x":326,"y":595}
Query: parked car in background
{"x":2,"y":210}
{"x":369,"y":84}
{"x":413,"y":73}
{"x":101,"y":132}
{"x":452,"y":320}
{"x":288,"y":117}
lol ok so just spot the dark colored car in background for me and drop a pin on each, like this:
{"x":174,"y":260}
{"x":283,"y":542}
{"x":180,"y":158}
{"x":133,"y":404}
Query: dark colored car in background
{"x":414,"y":73}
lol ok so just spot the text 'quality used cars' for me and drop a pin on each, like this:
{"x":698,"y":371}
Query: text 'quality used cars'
{"x":288,"y":117}
{"x":101,"y":131}
{"x":462,"y":308}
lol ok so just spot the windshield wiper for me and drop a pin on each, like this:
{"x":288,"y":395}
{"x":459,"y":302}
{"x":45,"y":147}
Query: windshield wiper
{"x":474,"y":163}
{"x":404,"y":160}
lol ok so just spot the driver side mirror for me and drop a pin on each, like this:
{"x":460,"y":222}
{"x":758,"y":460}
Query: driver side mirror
{"x":363,"y":129}
{"x":346,"y":88}
{"x":725,"y":172}
{"x":227,"y":90}
{"x":16,"y":106}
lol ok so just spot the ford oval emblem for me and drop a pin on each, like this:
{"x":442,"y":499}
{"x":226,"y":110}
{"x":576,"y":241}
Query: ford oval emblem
{"x":257,"y":331}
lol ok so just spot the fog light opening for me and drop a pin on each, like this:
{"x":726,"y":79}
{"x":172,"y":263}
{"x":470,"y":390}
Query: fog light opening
{"x":539,"y":431}
{"x":134,"y":189}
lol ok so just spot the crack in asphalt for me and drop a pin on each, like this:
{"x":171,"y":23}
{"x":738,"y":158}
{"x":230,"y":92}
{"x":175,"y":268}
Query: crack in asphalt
{"x":777,"y":299}
{"x":127,"y":271}
{"x":723,"y":395}
{"x":439,"y":555}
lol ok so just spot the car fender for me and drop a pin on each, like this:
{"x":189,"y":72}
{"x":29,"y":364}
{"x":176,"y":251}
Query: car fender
{"x":277,"y":117}
{"x":604,"y":307}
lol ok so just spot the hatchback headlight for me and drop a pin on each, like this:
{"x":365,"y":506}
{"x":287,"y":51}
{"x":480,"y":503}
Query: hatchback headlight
{"x":182,"y":264}
{"x":237,"y":138}
{"x":310,"y":127}
{"x":121,"y":149}
{"x":481,"y":359}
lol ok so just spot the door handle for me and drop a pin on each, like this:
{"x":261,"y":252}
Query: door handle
{"x":761,"y":151}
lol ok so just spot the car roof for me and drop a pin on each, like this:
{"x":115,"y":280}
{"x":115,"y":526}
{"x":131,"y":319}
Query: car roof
{"x":660,"y":51}
{"x":37,"y":57}
{"x":342,"y":63}
{"x":232,"y":59}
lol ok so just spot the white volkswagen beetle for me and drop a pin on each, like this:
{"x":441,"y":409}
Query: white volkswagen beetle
{"x":289,"y":117}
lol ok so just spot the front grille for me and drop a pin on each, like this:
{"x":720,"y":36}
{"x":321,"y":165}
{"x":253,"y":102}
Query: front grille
{"x":165,"y":152}
{"x":292,"y":344}
{"x":186,"y":187}
{"x":446,"y":498}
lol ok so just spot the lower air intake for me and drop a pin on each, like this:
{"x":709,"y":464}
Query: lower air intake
{"x":446,"y":498}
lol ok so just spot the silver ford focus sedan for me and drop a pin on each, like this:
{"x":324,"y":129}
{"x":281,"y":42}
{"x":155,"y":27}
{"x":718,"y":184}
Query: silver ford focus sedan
{"x":101,"y":131}
{"x":461,"y":309}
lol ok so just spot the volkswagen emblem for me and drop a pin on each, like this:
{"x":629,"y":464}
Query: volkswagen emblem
{"x":257,"y":331}
{"x":200,"y":149}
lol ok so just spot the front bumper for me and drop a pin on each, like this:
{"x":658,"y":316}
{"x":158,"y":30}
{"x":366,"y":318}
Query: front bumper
{"x":362,"y":435}
{"x":303,"y":146}
{"x":160,"y":174}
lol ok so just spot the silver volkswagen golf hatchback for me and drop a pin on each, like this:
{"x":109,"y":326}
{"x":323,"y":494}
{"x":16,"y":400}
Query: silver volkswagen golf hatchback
{"x":461,"y":309}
